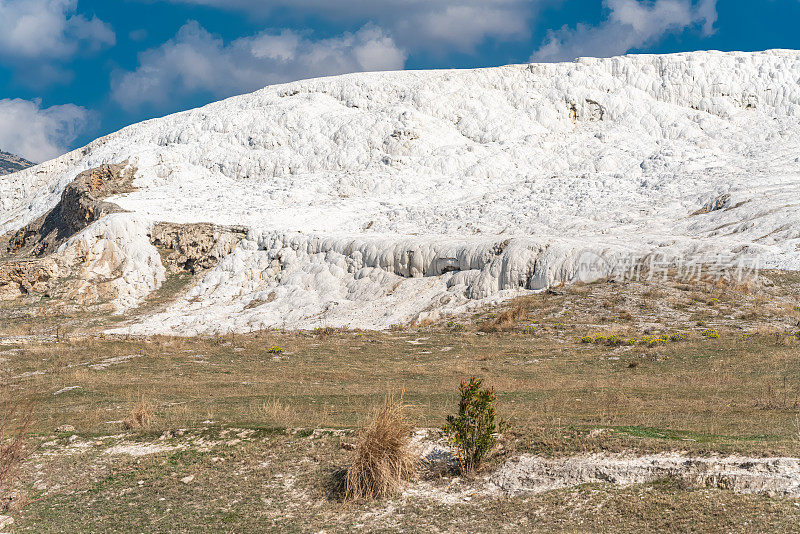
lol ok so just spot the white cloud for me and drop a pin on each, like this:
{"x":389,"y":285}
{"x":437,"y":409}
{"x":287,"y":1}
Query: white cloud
{"x":195,"y":61}
{"x":415,"y":24}
{"x":138,"y":35}
{"x":37,"y":133}
{"x":463,"y":26}
{"x":630,"y":24}
{"x":46,"y":29}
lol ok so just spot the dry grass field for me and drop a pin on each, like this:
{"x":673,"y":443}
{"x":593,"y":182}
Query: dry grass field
{"x":703,"y":367}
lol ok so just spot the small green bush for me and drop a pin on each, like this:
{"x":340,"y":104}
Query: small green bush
{"x":275,"y":350}
{"x":474,"y":430}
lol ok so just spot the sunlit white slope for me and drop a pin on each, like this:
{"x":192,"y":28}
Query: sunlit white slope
{"x":372,"y":198}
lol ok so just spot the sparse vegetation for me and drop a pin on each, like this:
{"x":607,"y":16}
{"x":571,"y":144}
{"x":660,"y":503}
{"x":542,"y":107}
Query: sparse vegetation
{"x":653,"y":341}
{"x":275,"y":350}
{"x":323,"y":331}
{"x":15,"y":420}
{"x":615,"y":340}
{"x":455,"y":327}
{"x":382,"y":460}
{"x":275,"y":425}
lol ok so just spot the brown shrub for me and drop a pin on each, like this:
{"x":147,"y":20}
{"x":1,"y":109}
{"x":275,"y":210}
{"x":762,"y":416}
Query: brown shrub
{"x":382,"y":459}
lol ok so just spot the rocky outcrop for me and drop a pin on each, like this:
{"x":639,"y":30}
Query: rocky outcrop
{"x":81,"y":204}
{"x":11,"y":163}
{"x":195,"y":247}
{"x":25,"y":277}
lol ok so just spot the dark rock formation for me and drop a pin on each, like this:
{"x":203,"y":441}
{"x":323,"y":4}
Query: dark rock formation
{"x":10,"y":163}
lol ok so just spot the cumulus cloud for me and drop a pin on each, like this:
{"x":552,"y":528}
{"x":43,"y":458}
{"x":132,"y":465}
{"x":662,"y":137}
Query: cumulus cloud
{"x":195,"y":61}
{"x":45,"y":29}
{"x":415,"y":24}
{"x":36,"y":133}
{"x":630,"y":24}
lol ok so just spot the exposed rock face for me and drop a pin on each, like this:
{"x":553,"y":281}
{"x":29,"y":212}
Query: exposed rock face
{"x":195,"y":247}
{"x":81,"y":204}
{"x":11,"y":163}
{"x":24,"y":277}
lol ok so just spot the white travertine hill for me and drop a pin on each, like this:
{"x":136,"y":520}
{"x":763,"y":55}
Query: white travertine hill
{"x":379,"y":198}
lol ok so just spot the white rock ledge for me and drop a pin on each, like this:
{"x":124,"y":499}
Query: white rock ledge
{"x":768,"y":476}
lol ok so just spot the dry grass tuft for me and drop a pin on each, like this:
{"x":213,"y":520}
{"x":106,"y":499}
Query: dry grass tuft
{"x":383,"y":458}
{"x":141,"y":415}
{"x":507,"y":319}
{"x":15,"y":421}
{"x":275,"y":413}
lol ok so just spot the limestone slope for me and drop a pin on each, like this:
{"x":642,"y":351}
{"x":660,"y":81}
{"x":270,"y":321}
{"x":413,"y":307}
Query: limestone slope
{"x":371,"y":199}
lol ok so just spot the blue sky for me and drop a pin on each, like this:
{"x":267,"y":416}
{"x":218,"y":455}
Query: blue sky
{"x":73,"y":70}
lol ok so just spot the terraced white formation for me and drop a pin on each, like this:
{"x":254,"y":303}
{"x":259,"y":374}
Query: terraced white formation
{"x":384,"y":197}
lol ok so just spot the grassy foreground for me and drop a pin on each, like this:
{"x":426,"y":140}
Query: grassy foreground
{"x":713,"y":368}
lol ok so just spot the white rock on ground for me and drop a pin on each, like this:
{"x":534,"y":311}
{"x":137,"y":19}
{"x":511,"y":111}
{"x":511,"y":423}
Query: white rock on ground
{"x":532,"y":474}
{"x":379,"y":198}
